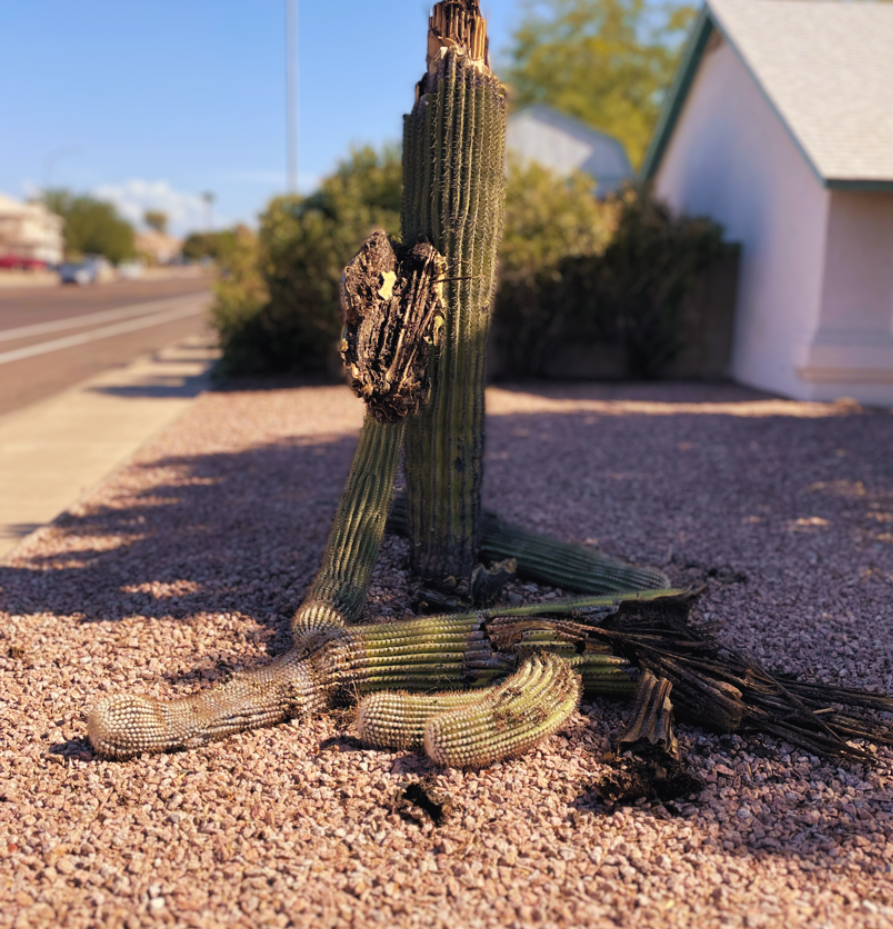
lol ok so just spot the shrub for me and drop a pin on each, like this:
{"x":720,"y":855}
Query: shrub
{"x":571,"y":267}
{"x":624,"y":288}
{"x":548,"y":219}
{"x":279,"y":308}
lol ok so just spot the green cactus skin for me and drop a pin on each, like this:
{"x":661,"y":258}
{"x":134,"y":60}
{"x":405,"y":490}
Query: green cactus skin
{"x":454,"y":180}
{"x":397,"y":720}
{"x":547,"y":560}
{"x":563,"y":564}
{"x":509,"y":719}
{"x":338,"y":592}
{"x":337,"y":665}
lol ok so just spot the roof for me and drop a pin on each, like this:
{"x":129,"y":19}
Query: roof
{"x":571,"y":145}
{"x":824,"y":66}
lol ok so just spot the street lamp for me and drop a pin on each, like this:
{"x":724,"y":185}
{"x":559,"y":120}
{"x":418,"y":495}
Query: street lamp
{"x":208,"y":197}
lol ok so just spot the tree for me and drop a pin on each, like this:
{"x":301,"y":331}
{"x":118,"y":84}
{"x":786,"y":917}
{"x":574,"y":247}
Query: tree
{"x":92,"y":227}
{"x":156,"y":219}
{"x":605,"y":62}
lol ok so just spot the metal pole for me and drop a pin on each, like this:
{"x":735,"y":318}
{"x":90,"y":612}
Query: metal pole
{"x":291,"y":93}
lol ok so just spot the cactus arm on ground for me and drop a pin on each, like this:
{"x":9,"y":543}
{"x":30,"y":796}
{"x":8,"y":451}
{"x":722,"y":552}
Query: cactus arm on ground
{"x":547,"y":560}
{"x":509,"y":719}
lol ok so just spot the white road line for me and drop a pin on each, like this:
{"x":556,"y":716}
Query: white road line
{"x":105,"y":332}
{"x":89,"y":319}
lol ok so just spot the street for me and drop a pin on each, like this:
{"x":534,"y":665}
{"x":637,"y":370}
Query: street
{"x":53,"y":338}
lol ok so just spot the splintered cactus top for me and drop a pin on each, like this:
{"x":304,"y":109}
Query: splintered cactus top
{"x":391,"y":299}
{"x":458,"y":24}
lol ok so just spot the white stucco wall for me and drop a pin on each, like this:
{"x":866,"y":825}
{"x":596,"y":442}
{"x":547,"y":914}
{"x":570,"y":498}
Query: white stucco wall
{"x":731,"y":158}
{"x":851,"y":351}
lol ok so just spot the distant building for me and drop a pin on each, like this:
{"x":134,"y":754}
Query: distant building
{"x":159,"y":247}
{"x":564,"y":145}
{"x":780,"y":126}
{"x":30,"y":230}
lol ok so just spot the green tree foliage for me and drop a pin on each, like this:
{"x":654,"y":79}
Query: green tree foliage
{"x":92,"y":227}
{"x":605,"y":62}
{"x":198,"y":245}
{"x":291,"y":322}
{"x":156,"y":219}
{"x":547,"y":219}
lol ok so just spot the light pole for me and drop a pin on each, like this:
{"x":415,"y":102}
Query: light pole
{"x":291,"y":93}
{"x":208,"y":197}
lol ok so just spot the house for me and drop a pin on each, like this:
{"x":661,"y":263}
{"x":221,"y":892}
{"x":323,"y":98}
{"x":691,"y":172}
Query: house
{"x":564,"y":145}
{"x":30,"y":231}
{"x":780,"y":127}
{"x":158,"y":247}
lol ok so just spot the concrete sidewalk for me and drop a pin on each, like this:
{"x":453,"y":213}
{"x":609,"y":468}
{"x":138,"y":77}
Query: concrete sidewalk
{"x":54,"y":452}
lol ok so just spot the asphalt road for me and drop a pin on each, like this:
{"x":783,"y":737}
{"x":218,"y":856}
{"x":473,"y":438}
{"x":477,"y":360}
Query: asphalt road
{"x":53,"y":338}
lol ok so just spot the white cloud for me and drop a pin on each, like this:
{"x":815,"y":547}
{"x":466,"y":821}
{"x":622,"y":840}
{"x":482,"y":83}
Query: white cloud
{"x":186,"y":211}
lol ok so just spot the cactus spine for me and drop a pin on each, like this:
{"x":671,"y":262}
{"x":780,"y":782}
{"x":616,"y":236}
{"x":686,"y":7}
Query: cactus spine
{"x":453,"y":176}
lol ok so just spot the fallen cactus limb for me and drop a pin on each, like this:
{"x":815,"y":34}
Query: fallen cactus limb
{"x":509,"y":719}
{"x":547,"y":560}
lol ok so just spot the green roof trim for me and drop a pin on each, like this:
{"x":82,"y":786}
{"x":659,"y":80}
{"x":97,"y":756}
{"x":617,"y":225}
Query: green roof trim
{"x":856,"y":185}
{"x":704,"y":27}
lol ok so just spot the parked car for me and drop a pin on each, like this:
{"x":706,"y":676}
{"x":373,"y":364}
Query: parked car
{"x":92,"y":270}
{"x":81,"y":273}
{"x":25,"y":264}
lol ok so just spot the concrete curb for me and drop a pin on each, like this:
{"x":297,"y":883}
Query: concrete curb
{"x":54,"y":452}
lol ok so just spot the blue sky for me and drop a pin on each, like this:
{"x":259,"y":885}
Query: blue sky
{"x":151,"y":103}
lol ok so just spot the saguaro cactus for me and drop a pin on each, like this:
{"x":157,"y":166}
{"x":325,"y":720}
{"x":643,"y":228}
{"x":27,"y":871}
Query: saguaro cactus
{"x":453,"y":191}
{"x":524,"y":665}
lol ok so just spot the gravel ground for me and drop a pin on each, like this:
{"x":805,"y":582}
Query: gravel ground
{"x":188,"y":562}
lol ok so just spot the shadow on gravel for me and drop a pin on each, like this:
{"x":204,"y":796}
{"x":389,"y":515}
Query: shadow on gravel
{"x":213,"y":533}
{"x":774,"y":509}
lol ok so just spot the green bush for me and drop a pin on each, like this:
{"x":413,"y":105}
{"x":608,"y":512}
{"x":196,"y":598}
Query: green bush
{"x":571,"y":268}
{"x":548,"y":219}
{"x":278,"y":307}
{"x":625,"y":288}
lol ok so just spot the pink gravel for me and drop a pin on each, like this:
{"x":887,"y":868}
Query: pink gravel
{"x":189,"y":561}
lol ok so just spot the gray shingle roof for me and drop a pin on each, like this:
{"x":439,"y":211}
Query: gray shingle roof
{"x":827,"y":68}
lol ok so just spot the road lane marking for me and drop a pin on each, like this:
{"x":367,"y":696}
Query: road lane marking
{"x":89,"y":319}
{"x":54,"y":345}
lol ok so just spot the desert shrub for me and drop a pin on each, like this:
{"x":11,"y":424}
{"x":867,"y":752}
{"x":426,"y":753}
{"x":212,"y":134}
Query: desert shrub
{"x":649,"y":268}
{"x":548,"y":219}
{"x":625,"y":288}
{"x":284,"y":315}
{"x":571,"y":267}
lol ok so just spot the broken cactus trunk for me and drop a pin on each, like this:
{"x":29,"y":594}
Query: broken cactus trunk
{"x":453,"y":192}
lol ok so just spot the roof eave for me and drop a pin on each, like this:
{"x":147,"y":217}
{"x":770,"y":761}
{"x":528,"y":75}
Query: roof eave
{"x":704,"y":27}
{"x":685,"y":74}
{"x":857,"y":184}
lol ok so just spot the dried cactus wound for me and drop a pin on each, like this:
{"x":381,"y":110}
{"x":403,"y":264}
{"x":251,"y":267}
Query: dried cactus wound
{"x":391,"y":299}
